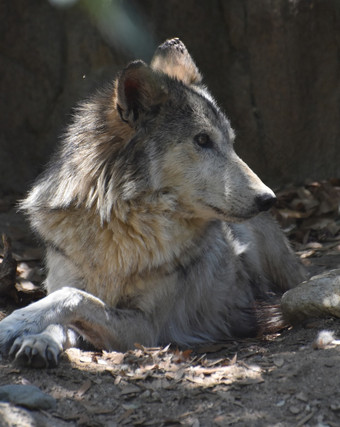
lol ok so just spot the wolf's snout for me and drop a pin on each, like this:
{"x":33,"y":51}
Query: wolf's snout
{"x":265,"y":201}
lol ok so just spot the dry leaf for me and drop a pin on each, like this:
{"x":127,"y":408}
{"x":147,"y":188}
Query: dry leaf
{"x":114,"y":357}
{"x":310,"y":213}
{"x":83,"y":389}
{"x":182,"y":356}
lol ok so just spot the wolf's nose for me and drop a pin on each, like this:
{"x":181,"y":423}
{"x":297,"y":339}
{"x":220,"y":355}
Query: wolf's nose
{"x":265,"y":201}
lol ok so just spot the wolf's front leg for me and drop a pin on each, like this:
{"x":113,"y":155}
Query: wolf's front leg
{"x":35,"y":335}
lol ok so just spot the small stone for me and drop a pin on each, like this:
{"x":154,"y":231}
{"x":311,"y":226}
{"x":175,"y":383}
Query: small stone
{"x":278,"y":361}
{"x":302,"y":397}
{"x":131,"y":406}
{"x":156,"y":396}
{"x":130,"y":389}
{"x":146,"y":394}
{"x":28,"y":396}
{"x":294,"y":410}
{"x":335,"y":407}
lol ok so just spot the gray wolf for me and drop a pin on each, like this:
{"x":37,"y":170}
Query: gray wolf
{"x":155,"y":230}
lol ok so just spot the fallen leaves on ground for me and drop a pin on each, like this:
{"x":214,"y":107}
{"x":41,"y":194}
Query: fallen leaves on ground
{"x":19,"y":283}
{"x":310,"y":216}
{"x":165,"y":367}
{"x":8,"y":269}
{"x":144,"y":377}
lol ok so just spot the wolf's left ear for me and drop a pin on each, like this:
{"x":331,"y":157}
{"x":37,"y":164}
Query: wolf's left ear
{"x":173,"y":59}
{"x":139,"y":92}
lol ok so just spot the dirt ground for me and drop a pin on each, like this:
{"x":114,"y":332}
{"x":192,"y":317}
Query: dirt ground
{"x":279,"y":380}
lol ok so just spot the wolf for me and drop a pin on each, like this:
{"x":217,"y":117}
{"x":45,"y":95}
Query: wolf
{"x":155,"y":230}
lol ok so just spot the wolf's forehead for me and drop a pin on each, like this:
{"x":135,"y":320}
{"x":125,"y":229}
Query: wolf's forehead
{"x":205,"y":108}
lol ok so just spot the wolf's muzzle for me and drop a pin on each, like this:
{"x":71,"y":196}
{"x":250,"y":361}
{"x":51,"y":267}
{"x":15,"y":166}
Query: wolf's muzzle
{"x":265,"y":201}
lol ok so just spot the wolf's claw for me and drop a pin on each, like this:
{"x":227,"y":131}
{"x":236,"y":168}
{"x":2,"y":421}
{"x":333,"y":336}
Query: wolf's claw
{"x":37,"y":351}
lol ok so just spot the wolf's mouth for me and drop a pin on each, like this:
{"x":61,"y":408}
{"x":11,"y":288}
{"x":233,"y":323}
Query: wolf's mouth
{"x":232,"y":218}
{"x":217,"y":210}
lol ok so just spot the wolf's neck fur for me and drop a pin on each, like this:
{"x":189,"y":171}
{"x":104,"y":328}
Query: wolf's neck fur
{"x":139,"y":237}
{"x":119,"y":257}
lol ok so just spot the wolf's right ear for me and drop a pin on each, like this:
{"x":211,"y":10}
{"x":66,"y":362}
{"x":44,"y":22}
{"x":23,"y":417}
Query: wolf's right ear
{"x":139,"y":92}
{"x":173,"y":59}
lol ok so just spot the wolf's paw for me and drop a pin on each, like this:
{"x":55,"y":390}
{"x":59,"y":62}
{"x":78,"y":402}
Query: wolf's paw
{"x":24,"y":321}
{"x":11,"y":328}
{"x":36,"y":351}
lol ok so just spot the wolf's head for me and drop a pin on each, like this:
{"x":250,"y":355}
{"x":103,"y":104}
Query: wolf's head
{"x":157,"y":135}
{"x":185,"y":141}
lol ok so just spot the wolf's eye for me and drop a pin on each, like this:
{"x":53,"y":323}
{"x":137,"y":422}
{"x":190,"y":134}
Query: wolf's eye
{"x":203,"y":140}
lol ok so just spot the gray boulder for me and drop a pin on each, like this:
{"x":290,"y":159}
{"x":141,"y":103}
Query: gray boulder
{"x":317,"y":297}
{"x":28,"y":396}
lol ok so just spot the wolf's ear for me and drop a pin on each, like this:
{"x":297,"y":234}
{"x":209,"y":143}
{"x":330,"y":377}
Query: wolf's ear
{"x":173,"y":59}
{"x":139,"y":92}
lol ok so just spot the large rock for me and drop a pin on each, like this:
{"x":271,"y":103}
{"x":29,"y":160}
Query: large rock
{"x":28,"y":396}
{"x":317,"y":297}
{"x":272,"y":65}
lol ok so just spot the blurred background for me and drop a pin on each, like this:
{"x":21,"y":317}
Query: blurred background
{"x":273,"y":66}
